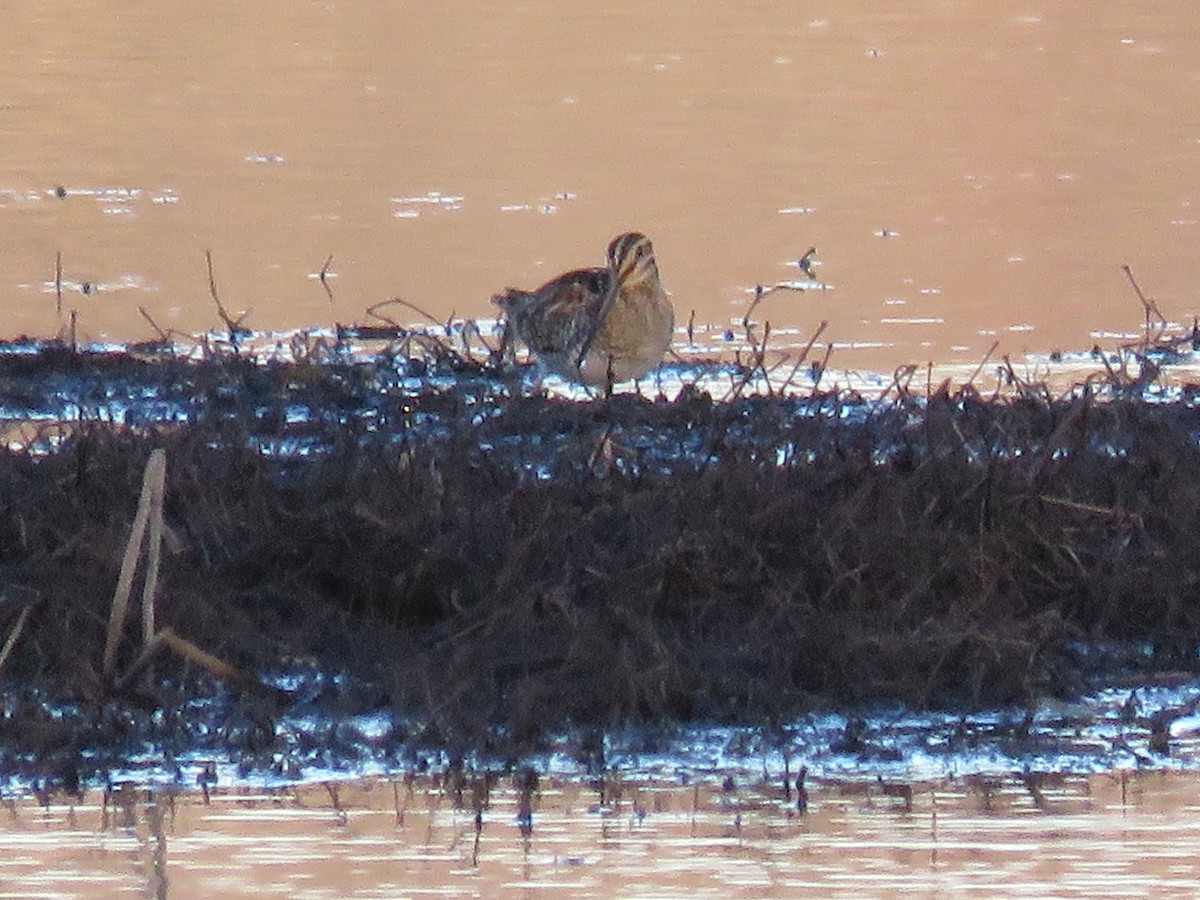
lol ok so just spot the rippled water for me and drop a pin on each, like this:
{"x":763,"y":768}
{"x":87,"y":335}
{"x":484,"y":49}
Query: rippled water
{"x":1118,"y":835}
{"x":968,"y":174}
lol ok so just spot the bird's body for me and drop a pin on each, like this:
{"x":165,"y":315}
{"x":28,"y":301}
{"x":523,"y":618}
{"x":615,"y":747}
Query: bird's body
{"x":597,"y":326}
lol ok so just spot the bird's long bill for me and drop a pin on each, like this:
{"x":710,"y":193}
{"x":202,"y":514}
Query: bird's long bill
{"x":609,"y":298}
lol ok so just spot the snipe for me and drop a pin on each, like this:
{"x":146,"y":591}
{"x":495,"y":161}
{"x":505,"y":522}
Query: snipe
{"x":596,"y":326}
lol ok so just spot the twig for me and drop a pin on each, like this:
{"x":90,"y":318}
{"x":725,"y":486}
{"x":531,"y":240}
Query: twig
{"x":234,"y":325}
{"x":15,"y":634}
{"x":188,"y":651}
{"x":805,"y":350}
{"x":1119,"y":515}
{"x":399,"y":301}
{"x":902,"y":378}
{"x":603,"y":449}
{"x":762,"y":358}
{"x":806,"y":263}
{"x":214,"y":664}
{"x":1024,"y":388}
{"x":1115,"y":378}
{"x":983,"y":362}
{"x":323,"y":275}
{"x":58,"y":282}
{"x":757,"y":362}
{"x":469,"y":330}
{"x":151,"y":649}
{"x":819,"y":369}
{"x":1148,"y":305}
{"x":162,"y":335}
{"x":812,"y":340}
{"x":759,"y":293}
{"x":439,"y":347}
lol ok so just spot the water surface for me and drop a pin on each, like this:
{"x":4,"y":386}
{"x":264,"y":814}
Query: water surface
{"x":1119,"y":835}
{"x":968,"y":174}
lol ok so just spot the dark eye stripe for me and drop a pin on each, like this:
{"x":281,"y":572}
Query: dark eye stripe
{"x":632,"y":246}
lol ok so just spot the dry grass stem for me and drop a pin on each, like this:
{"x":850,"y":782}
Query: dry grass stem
{"x":152,"y":482}
{"x":58,"y":283}
{"x":323,"y":275}
{"x":983,"y":362}
{"x":14,"y":635}
{"x":145,"y":657}
{"x":233,"y":325}
{"x":163,"y":336}
{"x":156,"y":473}
{"x":1149,"y":307}
{"x":214,"y":665}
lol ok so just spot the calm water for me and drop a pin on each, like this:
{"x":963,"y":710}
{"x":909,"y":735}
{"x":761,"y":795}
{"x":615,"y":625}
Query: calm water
{"x":968,"y":172}
{"x":1120,"y":835}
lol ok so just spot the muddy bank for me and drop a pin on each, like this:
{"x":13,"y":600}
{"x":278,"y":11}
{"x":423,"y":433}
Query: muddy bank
{"x":493,"y":566}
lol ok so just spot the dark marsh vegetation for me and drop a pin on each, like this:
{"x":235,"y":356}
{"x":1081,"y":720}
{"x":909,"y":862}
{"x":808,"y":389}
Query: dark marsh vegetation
{"x":495,"y":565}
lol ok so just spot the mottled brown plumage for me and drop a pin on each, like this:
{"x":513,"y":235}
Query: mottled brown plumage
{"x":597,"y":325}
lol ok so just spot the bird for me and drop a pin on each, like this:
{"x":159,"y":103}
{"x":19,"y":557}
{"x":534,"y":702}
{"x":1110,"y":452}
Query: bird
{"x":596,"y":326}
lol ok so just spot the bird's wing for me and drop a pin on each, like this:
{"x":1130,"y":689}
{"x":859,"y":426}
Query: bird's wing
{"x":566,"y":309}
{"x":595,"y":321}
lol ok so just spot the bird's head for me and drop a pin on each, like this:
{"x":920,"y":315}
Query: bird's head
{"x":631,"y":258}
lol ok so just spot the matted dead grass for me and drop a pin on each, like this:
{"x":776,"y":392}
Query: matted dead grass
{"x":494,"y":565}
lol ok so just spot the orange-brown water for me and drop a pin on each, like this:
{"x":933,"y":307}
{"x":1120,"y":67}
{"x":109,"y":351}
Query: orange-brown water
{"x":1098,"y":836}
{"x":969,"y":172}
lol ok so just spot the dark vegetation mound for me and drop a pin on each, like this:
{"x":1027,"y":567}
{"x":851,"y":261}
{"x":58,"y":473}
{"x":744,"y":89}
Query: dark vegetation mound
{"x":494,"y":566}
